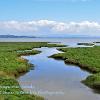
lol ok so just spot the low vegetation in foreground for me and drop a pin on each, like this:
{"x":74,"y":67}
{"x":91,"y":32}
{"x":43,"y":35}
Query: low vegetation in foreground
{"x":12,"y":65}
{"x":10,"y":90}
{"x":86,"y":58}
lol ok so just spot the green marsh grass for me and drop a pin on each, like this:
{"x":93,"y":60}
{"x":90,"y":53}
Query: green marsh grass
{"x":85,"y":57}
{"x":12,"y":65}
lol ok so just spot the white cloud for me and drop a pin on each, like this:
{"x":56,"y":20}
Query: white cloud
{"x":50,"y":27}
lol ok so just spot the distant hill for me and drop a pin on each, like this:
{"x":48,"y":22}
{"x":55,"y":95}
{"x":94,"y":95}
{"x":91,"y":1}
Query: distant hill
{"x":14,"y":36}
{"x":66,"y":36}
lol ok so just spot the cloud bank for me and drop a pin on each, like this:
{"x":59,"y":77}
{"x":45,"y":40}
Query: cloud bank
{"x":50,"y":27}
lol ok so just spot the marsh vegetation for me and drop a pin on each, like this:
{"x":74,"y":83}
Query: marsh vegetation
{"x":86,"y":58}
{"x":12,"y":65}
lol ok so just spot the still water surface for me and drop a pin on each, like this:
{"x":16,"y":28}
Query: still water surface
{"x":54,"y":79}
{"x":67,"y":41}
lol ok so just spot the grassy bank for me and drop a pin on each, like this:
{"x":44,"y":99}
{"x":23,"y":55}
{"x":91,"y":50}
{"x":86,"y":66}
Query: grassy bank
{"x":12,"y":65}
{"x":86,"y":58}
{"x":93,"y":81}
{"x":10,"y":90}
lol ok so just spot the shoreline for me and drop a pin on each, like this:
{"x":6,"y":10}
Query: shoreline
{"x":13,"y":65}
{"x":92,"y":81}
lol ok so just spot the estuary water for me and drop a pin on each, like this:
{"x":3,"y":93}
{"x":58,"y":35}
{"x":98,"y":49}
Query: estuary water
{"x":55,"y":80}
{"x":67,"y":41}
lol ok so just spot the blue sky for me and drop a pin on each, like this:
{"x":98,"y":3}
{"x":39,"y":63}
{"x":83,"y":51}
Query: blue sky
{"x":61,"y":11}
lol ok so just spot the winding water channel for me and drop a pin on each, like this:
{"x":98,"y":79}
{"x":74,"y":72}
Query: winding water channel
{"x":54,"y":79}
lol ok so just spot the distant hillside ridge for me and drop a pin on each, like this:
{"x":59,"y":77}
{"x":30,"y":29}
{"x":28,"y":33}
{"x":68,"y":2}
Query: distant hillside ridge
{"x":14,"y":36}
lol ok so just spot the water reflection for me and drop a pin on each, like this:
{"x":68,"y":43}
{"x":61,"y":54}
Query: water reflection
{"x":56,"y":80}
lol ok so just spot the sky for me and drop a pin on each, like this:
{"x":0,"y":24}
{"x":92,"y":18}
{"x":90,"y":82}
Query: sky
{"x":50,"y":17}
